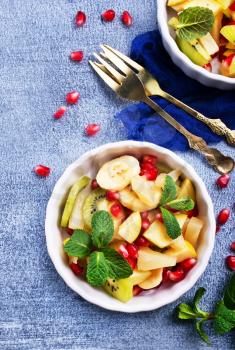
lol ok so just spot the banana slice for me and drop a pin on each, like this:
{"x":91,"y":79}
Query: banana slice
{"x":146,"y":190}
{"x":117,"y":174}
{"x":131,"y":201}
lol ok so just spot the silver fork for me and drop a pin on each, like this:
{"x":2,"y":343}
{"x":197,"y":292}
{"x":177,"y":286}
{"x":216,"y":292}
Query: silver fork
{"x":152,"y":87}
{"x":122,"y":80}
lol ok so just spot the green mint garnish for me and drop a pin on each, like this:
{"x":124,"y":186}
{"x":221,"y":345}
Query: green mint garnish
{"x":172,"y":226}
{"x":229,"y":294}
{"x":194,"y":23}
{"x":102,"y":229}
{"x":97,"y":269}
{"x":182,"y":204}
{"x":224,"y":320}
{"x":201,"y":332}
{"x":79,"y":244}
{"x":169,"y":191}
{"x":118,"y":267}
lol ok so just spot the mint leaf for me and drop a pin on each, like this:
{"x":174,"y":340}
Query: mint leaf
{"x":224,"y":320}
{"x":197,"y":298}
{"x":194,"y":23}
{"x":186,"y":312}
{"x":169,"y":190}
{"x":97,"y":269}
{"x":172,"y":226}
{"x":79,"y":244}
{"x":102,"y":229}
{"x":182,"y":204}
{"x":201,"y":332}
{"x":229,"y":294}
{"x":118,"y":266}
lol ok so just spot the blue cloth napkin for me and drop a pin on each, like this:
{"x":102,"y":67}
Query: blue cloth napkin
{"x":143,"y":124}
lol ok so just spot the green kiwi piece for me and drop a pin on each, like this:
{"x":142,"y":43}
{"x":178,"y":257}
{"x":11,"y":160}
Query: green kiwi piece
{"x":120,"y":289}
{"x":90,"y":205}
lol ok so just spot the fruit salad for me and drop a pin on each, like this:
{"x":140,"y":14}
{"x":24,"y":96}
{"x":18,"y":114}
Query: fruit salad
{"x":132,"y":228}
{"x":205,"y":32}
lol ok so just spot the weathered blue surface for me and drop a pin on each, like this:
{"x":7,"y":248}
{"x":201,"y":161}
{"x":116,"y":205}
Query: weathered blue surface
{"x":37,"y":310}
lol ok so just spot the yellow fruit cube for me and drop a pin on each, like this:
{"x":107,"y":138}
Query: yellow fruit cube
{"x":186,"y":251}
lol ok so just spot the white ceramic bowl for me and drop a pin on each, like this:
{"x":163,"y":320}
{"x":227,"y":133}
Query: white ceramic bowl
{"x":181,"y":60}
{"x":88,"y":164}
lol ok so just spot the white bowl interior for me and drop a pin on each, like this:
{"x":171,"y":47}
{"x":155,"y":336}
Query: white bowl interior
{"x":89,"y":164}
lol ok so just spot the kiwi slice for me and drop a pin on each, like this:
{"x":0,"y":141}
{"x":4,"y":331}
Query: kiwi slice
{"x":120,"y":289}
{"x":90,"y":205}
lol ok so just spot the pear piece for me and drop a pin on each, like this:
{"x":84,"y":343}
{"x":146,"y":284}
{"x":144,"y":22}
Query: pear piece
{"x":76,"y":220}
{"x":187,"y":190}
{"x":149,"y":259}
{"x":130,"y":200}
{"x":130,"y":228}
{"x":146,"y":190}
{"x":153,"y":280}
{"x":187,"y":251}
{"x":138,"y":277}
{"x":193,"y":230}
{"x":229,"y":33}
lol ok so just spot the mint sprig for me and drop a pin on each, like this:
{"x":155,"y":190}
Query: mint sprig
{"x":97,"y":269}
{"x":118,"y":267}
{"x":185,"y":203}
{"x":169,"y":191}
{"x":172,"y":226}
{"x":79,"y":244}
{"x":102,"y":229}
{"x":194,"y":23}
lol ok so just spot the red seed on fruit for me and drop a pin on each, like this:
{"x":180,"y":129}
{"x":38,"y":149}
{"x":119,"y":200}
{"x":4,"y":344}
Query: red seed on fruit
{"x":112,"y":196}
{"x":60,"y":112}
{"x":108,"y":16}
{"x":72,"y":97}
{"x":77,"y":270}
{"x":150,"y":174}
{"x":144,"y":215}
{"x":159,"y":217}
{"x":123,"y":251}
{"x":42,"y":170}
{"x":227,"y":61}
{"x":145,"y":224}
{"x":132,"y":262}
{"x":165,"y":275}
{"x":94,"y":184}
{"x":80,"y":19}
{"x":177,"y":275}
{"x":230,"y":261}
{"x":232,"y":246}
{"x":223,"y":216}
{"x":92,"y":129}
{"x":142,"y":242}
{"x":223,"y":181}
{"x":116,"y":209}
{"x":188,"y":264}
{"x":132,"y":250}
{"x":232,"y":6}
{"x":193,"y":212}
{"x":69,"y":231}
{"x":76,"y":56}
{"x":126,"y":18}
{"x":147,"y":166}
{"x":208,"y":67}
{"x":137,"y":290}
{"x":150,"y":159}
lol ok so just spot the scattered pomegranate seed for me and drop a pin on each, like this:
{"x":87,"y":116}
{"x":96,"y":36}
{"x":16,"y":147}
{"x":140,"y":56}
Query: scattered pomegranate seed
{"x":112,"y":196}
{"x":116,"y":209}
{"x":165,"y":275}
{"x":145,"y":224}
{"x":192,"y":212}
{"x":80,"y":19}
{"x":132,"y":250}
{"x":42,"y":170}
{"x":137,"y":290}
{"x":77,"y":270}
{"x":223,"y":181}
{"x":230,"y":261}
{"x":72,"y":97}
{"x":150,"y":159}
{"x":69,"y":231}
{"x":223,"y":216}
{"x":94,"y":184}
{"x":208,"y":67}
{"x":92,"y":129}
{"x":218,"y":228}
{"x":132,"y":262}
{"x":144,"y":214}
{"x":142,"y":242}
{"x":176,"y":275}
{"x":188,"y":264}
{"x":126,"y":18}
{"x":150,"y":174}
{"x":60,"y":112}
{"x":159,"y":217}
{"x":123,"y":251}
{"x":76,"y":56}
{"x":108,"y":16}
{"x":232,"y":246}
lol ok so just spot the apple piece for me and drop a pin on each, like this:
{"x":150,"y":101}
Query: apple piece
{"x":130,"y":200}
{"x":153,"y":280}
{"x":146,"y":190}
{"x":187,"y":251}
{"x":191,"y":52}
{"x":149,"y":259}
{"x":214,"y":6}
{"x":131,"y":227}
{"x":215,"y":31}
{"x":202,"y":51}
{"x":76,"y":220}
{"x":209,"y":44}
{"x":229,"y":33}
{"x":187,"y":190}
{"x":174,"y":2}
{"x":160,"y":180}
{"x":193,"y":230}
{"x":138,"y":277}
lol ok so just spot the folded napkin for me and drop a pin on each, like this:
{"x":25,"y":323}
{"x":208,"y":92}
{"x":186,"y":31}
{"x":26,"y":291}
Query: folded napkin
{"x":143,"y":124}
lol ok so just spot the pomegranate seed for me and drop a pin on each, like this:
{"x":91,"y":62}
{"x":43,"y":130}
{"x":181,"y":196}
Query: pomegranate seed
{"x":126,"y":18}
{"x":92,"y":129}
{"x":150,"y":159}
{"x":192,"y":212}
{"x":232,"y":6}
{"x":208,"y":67}
{"x":72,"y":97}
{"x":60,"y":112}
{"x":142,"y":242}
{"x":227,"y":61}
{"x":69,"y":231}
{"x":76,"y":56}
{"x":137,"y":290}
{"x":159,"y":217}
{"x":177,"y":275}
{"x":165,"y":275}
{"x":223,"y":181}
{"x":108,"y":16}
{"x":112,"y":196}
{"x":145,"y":224}
{"x":188,"y":264}
{"x":116,"y":209}
{"x":94,"y":184}
{"x":132,"y":250}
{"x":132,"y":262}
{"x":80,"y":19}
{"x":123,"y":251}
{"x":150,"y":174}
{"x":144,"y":214}
{"x":217,"y":230}
{"x":77,"y":270}
{"x":42,"y":170}
{"x":232,"y":246}
{"x":230,"y":261}
{"x":147,"y":166}
{"x":223,"y":216}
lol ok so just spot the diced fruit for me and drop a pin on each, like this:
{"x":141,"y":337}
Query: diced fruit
{"x":76,"y":220}
{"x":160,"y":180}
{"x":126,"y":18}
{"x":94,"y":184}
{"x":75,"y":189}
{"x":230,"y":261}
{"x":149,"y":259}
{"x":132,"y":262}
{"x":108,"y":16}
{"x":172,"y":3}
{"x":175,"y":174}
{"x":150,"y":174}
{"x":146,"y":191}
{"x":117,"y":174}
{"x":123,"y":251}
{"x":186,"y":251}
{"x":209,"y":44}
{"x":223,"y":181}
{"x":165,"y":275}
{"x":149,"y":159}
{"x":153,"y":280}
{"x":229,"y":33}
{"x":139,"y":276}
{"x":92,"y":129}
{"x":142,"y":242}
{"x":208,"y":67}
{"x":188,"y":264}
{"x":177,"y":275}
{"x":223,"y":216}
{"x":129,"y":199}
{"x":121,"y":289}
{"x":215,"y":31}
{"x":130,"y":228}
{"x":80,"y":19}
{"x":187,"y":190}
{"x":159,"y":217}
{"x":42,"y":170}
{"x":193,"y":230}
{"x":90,"y":205}
{"x":191,"y":52}
{"x":213,"y":5}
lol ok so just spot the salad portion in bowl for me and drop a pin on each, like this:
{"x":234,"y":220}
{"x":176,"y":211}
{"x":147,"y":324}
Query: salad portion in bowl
{"x":132,"y":228}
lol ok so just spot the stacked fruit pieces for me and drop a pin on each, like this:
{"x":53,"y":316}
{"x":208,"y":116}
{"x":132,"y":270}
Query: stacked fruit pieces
{"x":218,"y":42}
{"x":154,"y":214}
